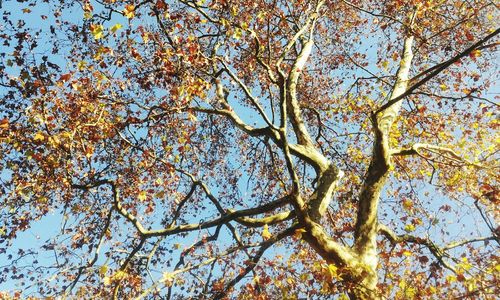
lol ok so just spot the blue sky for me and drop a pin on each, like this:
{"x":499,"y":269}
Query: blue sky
{"x":51,"y":224}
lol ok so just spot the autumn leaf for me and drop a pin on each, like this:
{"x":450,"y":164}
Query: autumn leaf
{"x":97,"y":31}
{"x":299,"y":232}
{"x":407,"y":204}
{"x":238,"y":33}
{"x":168,"y":279}
{"x":81,"y":65}
{"x":65,"y":77}
{"x":103,"y":270}
{"x":116,"y":27}
{"x":107,"y":280}
{"x":475,"y":53}
{"x":4,"y":123}
{"x":120,"y":275}
{"x":142,"y":196}
{"x":129,"y":11}
{"x":39,"y":136}
{"x":332,"y":271}
{"x":265,"y":232}
{"x":409,"y":228}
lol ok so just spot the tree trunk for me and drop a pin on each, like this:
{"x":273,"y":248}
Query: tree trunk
{"x":366,"y":288}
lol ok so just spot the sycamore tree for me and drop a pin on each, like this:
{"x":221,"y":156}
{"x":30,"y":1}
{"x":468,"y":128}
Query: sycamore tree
{"x":260,"y":149}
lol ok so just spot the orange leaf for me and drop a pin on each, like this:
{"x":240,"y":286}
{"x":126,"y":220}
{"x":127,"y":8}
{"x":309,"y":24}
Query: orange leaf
{"x":4,"y":123}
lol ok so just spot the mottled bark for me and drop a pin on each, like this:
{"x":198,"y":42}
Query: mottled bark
{"x":366,"y":223}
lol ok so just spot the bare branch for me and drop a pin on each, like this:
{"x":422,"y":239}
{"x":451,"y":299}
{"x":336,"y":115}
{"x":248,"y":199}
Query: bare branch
{"x":439,"y":253}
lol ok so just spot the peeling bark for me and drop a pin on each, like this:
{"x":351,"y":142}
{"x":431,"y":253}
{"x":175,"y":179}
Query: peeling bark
{"x":366,"y":223}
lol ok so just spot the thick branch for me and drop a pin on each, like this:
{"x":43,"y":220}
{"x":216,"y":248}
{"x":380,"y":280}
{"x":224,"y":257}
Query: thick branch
{"x":249,"y":95}
{"x":175,"y":229}
{"x":269,"y":220}
{"x":366,"y":222}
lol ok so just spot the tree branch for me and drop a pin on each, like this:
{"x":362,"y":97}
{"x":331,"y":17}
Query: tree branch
{"x":435,"y":70}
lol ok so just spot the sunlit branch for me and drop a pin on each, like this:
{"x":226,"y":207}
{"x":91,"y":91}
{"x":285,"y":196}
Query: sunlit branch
{"x":175,"y":229}
{"x":269,"y":220}
{"x":465,"y":242}
{"x":252,"y":131}
{"x":249,"y":95}
{"x":444,"y":152}
{"x":297,"y":36}
{"x":433,"y":71}
{"x":375,"y":178}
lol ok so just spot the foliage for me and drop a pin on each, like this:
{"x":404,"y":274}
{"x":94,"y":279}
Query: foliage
{"x":250,"y":149}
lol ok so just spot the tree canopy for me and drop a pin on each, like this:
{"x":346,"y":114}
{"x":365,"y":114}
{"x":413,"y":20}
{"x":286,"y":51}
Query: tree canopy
{"x":249,"y":149}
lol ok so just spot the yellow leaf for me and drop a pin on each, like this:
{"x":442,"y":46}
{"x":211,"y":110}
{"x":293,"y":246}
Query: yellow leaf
{"x":256,"y":279}
{"x":97,"y":31}
{"x":120,"y":275}
{"x":142,"y":196}
{"x":39,"y":136}
{"x":224,"y":22}
{"x":106,"y":280}
{"x":103,"y":270}
{"x":332,"y":271}
{"x":261,"y":15}
{"x":443,"y":87}
{"x":81,"y":65}
{"x":410,"y":228}
{"x":407,"y":204}
{"x":115,"y":27}
{"x":168,"y":279}
{"x":265,"y":233}
{"x":476,"y":53}
{"x":234,"y":11}
{"x":238,"y":33}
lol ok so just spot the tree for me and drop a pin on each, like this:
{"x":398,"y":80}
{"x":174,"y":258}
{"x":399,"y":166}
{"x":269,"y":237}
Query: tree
{"x":251,"y":149}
